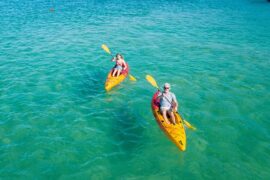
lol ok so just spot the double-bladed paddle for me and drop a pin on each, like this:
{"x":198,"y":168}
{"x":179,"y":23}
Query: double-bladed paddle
{"x":153,"y":82}
{"x":107,"y":50}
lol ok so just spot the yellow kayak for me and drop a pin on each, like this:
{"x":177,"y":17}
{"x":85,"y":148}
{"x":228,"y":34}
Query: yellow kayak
{"x":114,"y":81}
{"x":175,"y":132}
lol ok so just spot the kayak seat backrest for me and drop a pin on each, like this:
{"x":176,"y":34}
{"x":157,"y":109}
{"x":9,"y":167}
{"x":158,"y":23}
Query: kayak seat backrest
{"x":157,"y":103}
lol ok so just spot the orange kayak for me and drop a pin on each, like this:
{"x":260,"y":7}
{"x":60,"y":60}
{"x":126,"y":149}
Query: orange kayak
{"x":114,"y":81}
{"x":175,"y":132}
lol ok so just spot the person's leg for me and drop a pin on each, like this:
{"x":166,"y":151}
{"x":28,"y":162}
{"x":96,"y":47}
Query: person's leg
{"x":164,"y":114}
{"x":172,"y":117}
{"x":114,"y":72}
{"x":118,"y":72}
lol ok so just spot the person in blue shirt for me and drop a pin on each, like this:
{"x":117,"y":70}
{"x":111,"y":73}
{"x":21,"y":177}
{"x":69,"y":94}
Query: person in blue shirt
{"x":168,"y":103}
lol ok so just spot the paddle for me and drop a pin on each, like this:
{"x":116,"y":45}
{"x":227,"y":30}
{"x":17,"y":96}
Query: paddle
{"x":153,"y":82}
{"x":107,"y":50}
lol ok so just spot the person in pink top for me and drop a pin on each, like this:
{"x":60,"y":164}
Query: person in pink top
{"x":120,"y":65}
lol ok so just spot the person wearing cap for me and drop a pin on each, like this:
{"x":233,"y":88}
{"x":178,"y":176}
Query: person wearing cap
{"x":168,"y":103}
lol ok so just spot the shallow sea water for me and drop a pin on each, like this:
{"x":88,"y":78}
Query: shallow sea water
{"x":57,"y":121}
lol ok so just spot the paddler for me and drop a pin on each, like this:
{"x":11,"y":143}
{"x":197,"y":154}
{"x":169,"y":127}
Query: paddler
{"x":120,"y":65}
{"x":168,"y":103}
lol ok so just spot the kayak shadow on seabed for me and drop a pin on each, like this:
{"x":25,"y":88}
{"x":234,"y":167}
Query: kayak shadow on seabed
{"x":127,"y":130}
{"x":93,"y":84}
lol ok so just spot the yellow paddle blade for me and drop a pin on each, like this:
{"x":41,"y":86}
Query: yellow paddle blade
{"x":189,"y":125}
{"x":132,"y":78}
{"x":105,"y":48}
{"x":151,"y":80}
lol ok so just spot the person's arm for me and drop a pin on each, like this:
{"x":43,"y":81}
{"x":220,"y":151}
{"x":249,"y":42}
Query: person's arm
{"x":175,"y":103}
{"x":160,"y":94}
{"x":113,"y":59}
{"x":176,"y":106}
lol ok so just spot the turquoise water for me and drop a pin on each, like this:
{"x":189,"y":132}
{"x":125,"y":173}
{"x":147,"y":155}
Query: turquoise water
{"x":57,"y":121}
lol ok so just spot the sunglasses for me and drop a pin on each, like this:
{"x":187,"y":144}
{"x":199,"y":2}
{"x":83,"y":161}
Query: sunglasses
{"x":166,"y":88}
